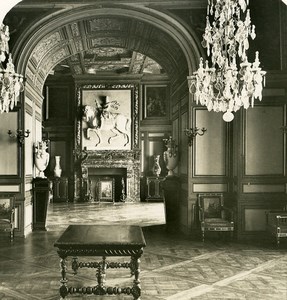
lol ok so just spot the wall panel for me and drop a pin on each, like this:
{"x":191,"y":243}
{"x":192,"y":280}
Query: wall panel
{"x":28,"y":145}
{"x":207,"y":162}
{"x":264,"y":141}
{"x":255,"y":219}
{"x":183,"y":146}
{"x":8,"y":146}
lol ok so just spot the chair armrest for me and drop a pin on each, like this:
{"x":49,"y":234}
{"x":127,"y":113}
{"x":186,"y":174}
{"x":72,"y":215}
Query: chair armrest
{"x":201,"y":214}
{"x":12,"y":216}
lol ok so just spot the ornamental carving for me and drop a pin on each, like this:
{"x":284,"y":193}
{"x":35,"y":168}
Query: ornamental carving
{"x":51,"y":60}
{"x":113,"y":155}
{"x":107,"y":51}
{"x":79,"y":45}
{"x":75,"y":29}
{"x":86,"y":140}
{"x":108,"y":41}
{"x":107,"y":24}
{"x":45,"y":45}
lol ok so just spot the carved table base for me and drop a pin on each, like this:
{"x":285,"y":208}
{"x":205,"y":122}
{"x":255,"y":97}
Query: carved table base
{"x":104,"y":241}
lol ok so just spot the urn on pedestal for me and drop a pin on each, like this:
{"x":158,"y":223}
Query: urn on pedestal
{"x":41,"y":157}
{"x":170,"y":156}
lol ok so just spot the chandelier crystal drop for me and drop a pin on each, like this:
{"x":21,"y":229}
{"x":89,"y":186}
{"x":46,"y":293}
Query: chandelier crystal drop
{"x":231,"y":82}
{"x":11,"y":83}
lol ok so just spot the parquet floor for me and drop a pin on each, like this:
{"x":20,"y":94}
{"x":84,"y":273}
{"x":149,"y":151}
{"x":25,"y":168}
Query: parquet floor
{"x":173,"y":267}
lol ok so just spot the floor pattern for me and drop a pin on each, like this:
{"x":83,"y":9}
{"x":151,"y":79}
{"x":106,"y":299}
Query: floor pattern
{"x":173,"y":267}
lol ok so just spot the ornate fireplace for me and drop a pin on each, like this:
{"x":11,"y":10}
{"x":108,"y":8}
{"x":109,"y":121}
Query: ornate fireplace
{"x":112,"y":164}
{"x":104,"y":151}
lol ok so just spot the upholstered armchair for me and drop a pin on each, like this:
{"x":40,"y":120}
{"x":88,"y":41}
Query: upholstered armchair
{"x":7,"y":216}
{"x":277,"y":224}
{"x":213,"y":215}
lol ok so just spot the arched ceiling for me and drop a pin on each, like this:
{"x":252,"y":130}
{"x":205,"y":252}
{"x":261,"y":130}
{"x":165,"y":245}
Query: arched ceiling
{"x":107,"y":44}
{"x":106,"y":61}
{"x":81,"y":39}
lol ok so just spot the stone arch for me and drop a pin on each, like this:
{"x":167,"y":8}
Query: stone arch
{"x":181,"y":35}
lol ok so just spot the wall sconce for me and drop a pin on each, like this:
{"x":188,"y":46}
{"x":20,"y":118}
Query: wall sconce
{"x":191,"y":133}
{"x":19,"y":134}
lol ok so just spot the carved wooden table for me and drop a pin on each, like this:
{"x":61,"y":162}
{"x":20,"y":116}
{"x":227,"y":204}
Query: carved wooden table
{"x":101,"y":240}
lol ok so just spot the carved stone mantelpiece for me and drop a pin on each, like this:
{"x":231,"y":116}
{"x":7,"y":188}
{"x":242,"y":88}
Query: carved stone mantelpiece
{"x":111,"y":155}
{"x":107,"y":159}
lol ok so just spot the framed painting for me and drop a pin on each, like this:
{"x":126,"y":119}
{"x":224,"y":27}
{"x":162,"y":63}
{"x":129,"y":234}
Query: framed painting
{"x":107,"y":120}
{"x":155,"y":102}
{"x":106,"y":189}
{"x":57,"y":103}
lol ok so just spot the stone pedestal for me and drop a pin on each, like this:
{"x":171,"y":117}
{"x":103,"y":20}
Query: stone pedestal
{"x":41,"y":188}
{"x":171,"y":187}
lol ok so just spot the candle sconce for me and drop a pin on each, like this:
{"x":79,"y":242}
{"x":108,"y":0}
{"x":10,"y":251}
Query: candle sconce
{"x":19,"y":134}
{"x":191,"y":133}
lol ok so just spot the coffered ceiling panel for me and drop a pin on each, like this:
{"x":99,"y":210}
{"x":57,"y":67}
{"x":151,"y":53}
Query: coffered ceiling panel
{"x":107,"y":45}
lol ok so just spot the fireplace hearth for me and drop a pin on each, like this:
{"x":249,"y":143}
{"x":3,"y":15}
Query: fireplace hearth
{"x":117,"y":177}
{"x":123,"y":167}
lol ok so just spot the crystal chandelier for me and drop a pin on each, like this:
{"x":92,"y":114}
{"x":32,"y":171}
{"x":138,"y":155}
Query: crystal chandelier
{"x":231,"y":82}
{"x":11,"y":83}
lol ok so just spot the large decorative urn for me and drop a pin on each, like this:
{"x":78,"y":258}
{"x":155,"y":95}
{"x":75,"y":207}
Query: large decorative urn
{"x":41,"y":157}
{"x":57,"y":169}
{"x":170,"y":156}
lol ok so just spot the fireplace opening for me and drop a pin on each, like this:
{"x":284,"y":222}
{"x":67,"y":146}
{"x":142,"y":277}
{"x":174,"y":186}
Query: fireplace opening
{"x":107,"y":184}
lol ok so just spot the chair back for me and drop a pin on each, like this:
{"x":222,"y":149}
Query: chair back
{"x":7,"y":203}
{"x":210,"y":205}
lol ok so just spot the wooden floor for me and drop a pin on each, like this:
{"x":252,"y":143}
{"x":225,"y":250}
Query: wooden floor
{"x":134,"y":213}
{"x":173,"y":267}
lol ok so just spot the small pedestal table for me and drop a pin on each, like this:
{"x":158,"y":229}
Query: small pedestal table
{"x":104,"y":241}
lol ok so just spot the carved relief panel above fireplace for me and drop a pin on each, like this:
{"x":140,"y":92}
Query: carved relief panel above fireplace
{"x":108,"y":117}
{"x":108,"y":132}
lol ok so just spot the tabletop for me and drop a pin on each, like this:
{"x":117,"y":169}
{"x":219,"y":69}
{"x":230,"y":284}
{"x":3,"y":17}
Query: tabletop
{"x":101,"y":236}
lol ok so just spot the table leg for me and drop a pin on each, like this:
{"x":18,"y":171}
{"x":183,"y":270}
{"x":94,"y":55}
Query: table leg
{"x":75,"y":264}
{"x":135,"y":270}
{"x":64,"y":287}
{"x":101,"y":277}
